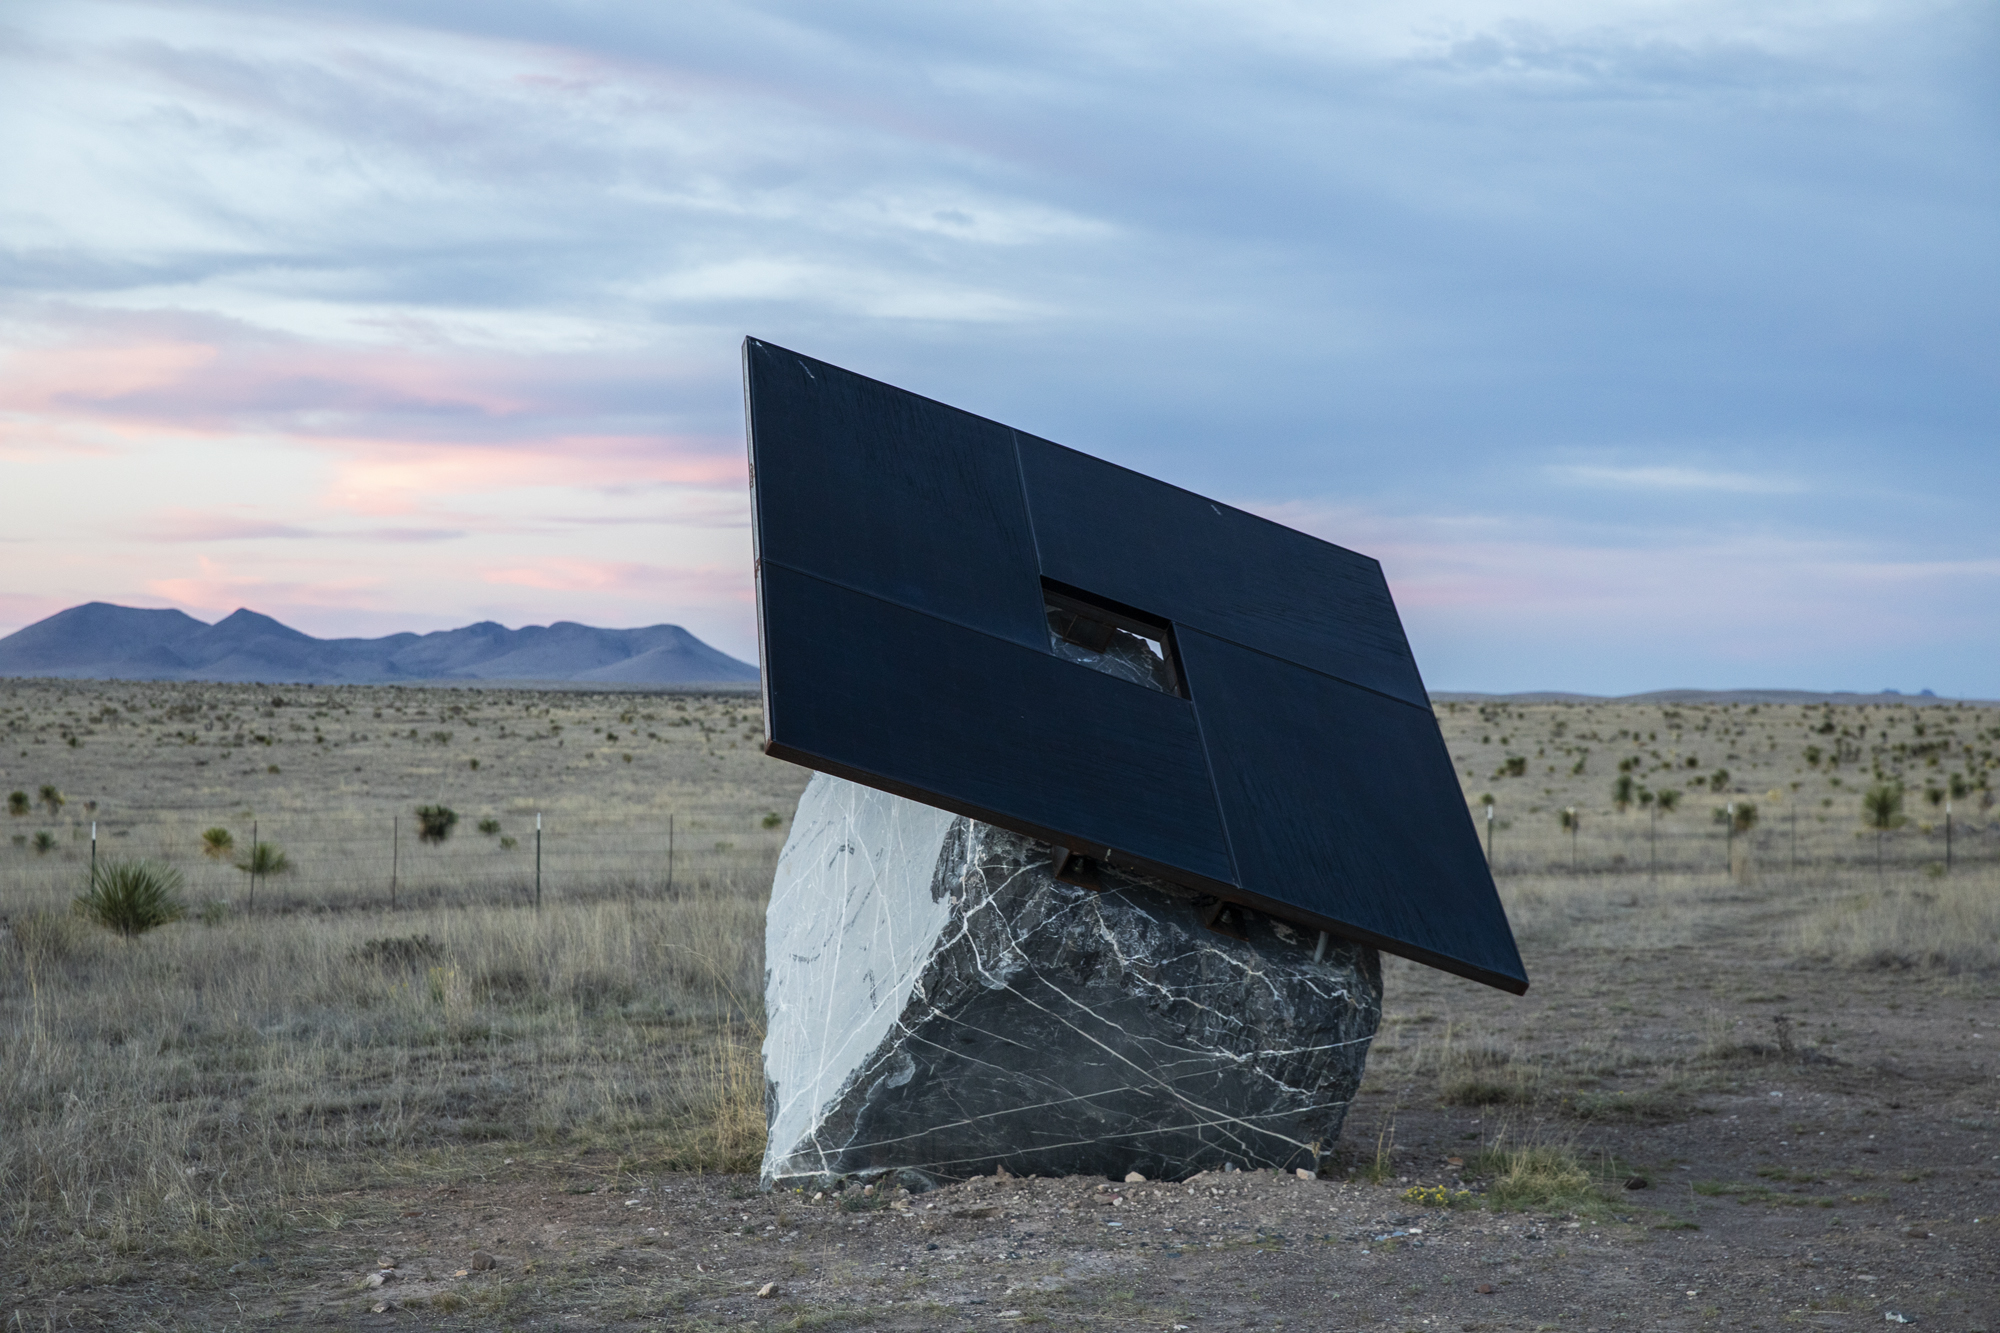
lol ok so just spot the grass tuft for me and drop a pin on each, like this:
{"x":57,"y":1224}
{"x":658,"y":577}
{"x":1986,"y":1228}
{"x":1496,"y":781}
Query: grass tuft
{"x":133,"y":897}
{"x":1540,"y":1177}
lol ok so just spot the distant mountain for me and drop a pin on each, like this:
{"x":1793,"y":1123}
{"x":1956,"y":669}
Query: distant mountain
{"x":98,"y":641}
{"x":1809,"y":697}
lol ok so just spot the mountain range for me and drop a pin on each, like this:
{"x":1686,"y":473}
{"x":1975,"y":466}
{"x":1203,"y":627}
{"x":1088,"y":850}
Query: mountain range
{"x":99,"y":641}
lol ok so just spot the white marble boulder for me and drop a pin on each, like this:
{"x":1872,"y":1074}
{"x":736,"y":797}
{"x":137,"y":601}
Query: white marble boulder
{"x":939,"y":1005}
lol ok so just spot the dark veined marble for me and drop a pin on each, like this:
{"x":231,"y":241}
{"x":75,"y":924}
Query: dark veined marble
{"x":940,"y":1005}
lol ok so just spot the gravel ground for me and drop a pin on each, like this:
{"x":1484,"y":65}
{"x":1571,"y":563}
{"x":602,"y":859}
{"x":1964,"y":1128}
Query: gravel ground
{"x":1237,"y":1250}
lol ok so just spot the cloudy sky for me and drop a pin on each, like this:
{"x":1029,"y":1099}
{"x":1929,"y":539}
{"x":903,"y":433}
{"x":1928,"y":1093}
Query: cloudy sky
{"x":1645,"y":344}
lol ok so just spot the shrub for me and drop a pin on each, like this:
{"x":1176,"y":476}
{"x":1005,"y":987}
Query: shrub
{"x":1623,"y":792}
{"x":216,"y":843}
{"x":132,"y":897}
{"x":1883,"y":805}
{"x":435,"y":822}
{"x":1740,"y":815}
{"x":773,"y":819}
{"x":489,"y":826}
{"x":52,"y":798}
{"x":45,"y":842}
{"x":17,"y":803}
{"x":1668,"y":798}
{"x":265,"y":858}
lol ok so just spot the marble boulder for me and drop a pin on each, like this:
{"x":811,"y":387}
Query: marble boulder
{"x":940,"y":1005}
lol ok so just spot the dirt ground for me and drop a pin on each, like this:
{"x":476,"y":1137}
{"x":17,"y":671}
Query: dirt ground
{"x":1850,"y":1180}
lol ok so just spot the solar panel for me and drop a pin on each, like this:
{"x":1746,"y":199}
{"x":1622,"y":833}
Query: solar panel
{"x":990,"y":623}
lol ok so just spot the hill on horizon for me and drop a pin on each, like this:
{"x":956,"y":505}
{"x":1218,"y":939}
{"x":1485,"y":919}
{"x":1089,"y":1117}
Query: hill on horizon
{"x":100,"y":641}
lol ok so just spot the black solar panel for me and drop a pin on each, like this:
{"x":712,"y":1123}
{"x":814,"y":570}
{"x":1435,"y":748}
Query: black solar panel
{"x":996,"y":625}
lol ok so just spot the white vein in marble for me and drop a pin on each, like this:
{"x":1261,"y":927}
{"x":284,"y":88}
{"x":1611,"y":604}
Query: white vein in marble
{"x":939,"y":1004}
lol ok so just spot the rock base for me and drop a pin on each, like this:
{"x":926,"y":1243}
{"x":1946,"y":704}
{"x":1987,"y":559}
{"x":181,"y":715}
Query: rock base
{"x":940,"y":1005}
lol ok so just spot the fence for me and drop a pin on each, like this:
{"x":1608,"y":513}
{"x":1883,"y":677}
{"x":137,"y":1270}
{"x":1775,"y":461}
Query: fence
{"x":348,"y":863}
{"x":1691,"y":840}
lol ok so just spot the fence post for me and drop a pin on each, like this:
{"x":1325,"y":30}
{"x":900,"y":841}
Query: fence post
{"x":1947,"y":835}
{"x":1795,"y":837}
{"x":254,"y":845}
{"x":670,"y":856}
{"x":93,"y":856}
{"x":538,"y":861}
{"x":395,"y":856}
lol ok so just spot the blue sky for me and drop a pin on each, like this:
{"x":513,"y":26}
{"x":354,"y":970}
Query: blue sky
{"x":1646,"y":345}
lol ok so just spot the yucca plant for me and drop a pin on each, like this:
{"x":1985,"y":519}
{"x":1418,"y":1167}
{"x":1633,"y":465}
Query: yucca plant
{"x":17,"y":803}
{"x":132,"y":897}
{"x":52,"y":798}
{"x":265,"y":858}
{"x":1738,"y":816}
{"x":434,"y":822}
{"x":1883,"y":806}
{"x":45,"y":842}
{"x":216,"y":843}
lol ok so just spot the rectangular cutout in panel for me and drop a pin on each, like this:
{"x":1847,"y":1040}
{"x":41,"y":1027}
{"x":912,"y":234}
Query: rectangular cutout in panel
{"x":1111,"y":638}
{"x":1220,"y":570}
{"x":1005,"y":733}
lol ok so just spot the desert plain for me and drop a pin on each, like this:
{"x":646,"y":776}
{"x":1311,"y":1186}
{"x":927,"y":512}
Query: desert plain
{"x":419,"y":1084}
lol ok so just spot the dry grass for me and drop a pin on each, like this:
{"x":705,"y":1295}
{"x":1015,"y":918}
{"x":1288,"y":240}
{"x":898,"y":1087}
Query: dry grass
{"x":1846,"y":916}
{"x":184,"y":1091}
{"x":1950,"y":923}
{"x":181,"y":1088}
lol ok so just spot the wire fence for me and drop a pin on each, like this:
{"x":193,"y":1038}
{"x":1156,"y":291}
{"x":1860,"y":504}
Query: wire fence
{"x":1694,"y":842}
{"x":328,"y":863}
{"x":319,"y":863}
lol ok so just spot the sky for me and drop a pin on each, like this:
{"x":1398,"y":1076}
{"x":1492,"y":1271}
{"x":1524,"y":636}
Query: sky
{"x":1646,"y":345}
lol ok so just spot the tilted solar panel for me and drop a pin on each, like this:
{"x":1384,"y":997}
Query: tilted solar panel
{"x":993,"y":624}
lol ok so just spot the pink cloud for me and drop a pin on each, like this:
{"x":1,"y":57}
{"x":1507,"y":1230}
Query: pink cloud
{"x":215,"y":376}
{"x":219,"y":590}
{"x":41,"y":379}
{"x":398,"y":428}
{"x":190,"y":525}
{"x":566,"y":574}
{"x":377,"y":476}
{"x":174,"y":372}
